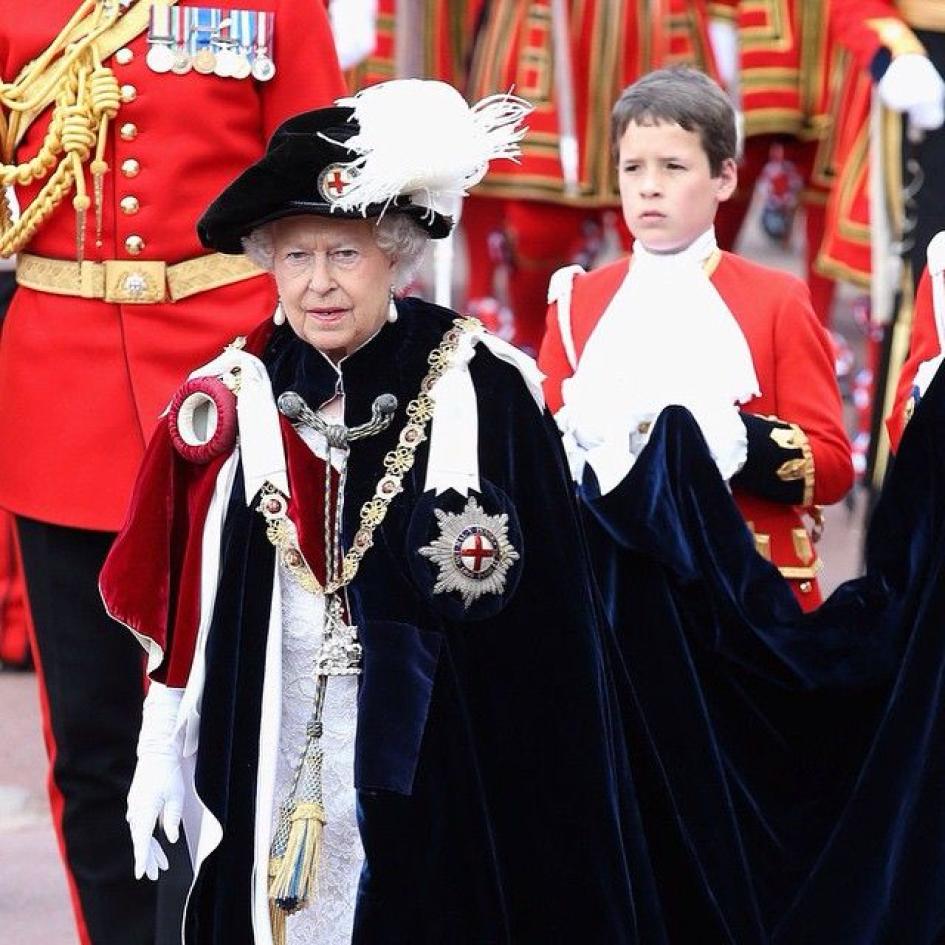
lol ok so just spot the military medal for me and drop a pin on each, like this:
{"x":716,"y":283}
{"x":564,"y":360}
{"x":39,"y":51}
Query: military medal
{"x":160,"y":56}
{"x":224,"y":48}
{"x":183,"y":61}
{"x":242,"y":67}
{"x":472,"y":551}
{"x":263,"y":66}
{"x":204,"y":59}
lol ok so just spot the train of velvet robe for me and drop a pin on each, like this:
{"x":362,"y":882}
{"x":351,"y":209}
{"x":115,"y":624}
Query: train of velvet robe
{"x":790,"y":768}
{"x":494,"y":801}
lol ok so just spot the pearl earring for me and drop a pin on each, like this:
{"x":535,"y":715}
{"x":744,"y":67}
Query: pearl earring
{"x":278,"y":316}
{"x":391,"y":307}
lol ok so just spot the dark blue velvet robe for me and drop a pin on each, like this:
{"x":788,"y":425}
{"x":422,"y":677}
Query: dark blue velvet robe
{"x":790,"y":768}
{"x":495,"y":802}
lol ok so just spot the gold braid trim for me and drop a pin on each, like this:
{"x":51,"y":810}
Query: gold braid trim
{"x":85,"y":97}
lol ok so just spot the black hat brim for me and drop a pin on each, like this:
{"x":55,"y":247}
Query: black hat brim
{"x":284,"y":183}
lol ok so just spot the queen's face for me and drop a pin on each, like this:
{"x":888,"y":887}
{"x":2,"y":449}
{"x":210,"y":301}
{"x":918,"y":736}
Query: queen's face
{"x":333,"y":279}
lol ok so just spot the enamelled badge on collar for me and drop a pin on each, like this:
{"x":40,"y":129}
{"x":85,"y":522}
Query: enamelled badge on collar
{"x":472,"y":551}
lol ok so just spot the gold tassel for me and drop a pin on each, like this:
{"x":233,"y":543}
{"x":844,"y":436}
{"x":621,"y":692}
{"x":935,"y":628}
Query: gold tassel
{"x":295,"y":879}
{"x":277,"y":922}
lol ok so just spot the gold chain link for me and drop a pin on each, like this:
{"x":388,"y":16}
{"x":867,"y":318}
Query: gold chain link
{"x":397,"y":463}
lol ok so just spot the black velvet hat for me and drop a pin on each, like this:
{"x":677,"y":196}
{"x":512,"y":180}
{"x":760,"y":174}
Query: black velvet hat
{"x":305,"y":165}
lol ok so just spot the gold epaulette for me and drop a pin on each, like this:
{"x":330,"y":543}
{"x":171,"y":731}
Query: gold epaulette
{"x":84,"y":94}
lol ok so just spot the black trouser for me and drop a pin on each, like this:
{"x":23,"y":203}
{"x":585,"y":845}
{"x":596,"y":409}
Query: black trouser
{"x":92,"y":673}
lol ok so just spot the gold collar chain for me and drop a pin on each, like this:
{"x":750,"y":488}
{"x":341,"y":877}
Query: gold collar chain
{"x":281,"y":531}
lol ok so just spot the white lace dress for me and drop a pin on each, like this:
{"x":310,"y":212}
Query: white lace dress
{"x":328,"y":918}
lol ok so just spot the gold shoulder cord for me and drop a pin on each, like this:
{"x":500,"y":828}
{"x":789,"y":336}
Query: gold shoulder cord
{"x":85,"y":96}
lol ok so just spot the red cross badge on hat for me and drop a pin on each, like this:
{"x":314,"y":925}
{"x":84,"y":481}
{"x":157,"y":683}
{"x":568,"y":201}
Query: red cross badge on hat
{"x":334,"y":180}
{"x":472,"y":551}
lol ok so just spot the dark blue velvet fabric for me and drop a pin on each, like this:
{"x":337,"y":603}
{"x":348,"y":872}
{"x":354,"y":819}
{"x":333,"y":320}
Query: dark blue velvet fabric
{"x":790,"y":768}
{"x":495,"y":801}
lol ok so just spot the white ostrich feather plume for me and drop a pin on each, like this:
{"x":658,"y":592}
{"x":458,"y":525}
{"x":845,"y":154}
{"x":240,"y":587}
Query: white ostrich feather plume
{"x":420,"y":139}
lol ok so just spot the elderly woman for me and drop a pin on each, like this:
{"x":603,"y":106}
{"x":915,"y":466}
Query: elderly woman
{"x":379,"y":694}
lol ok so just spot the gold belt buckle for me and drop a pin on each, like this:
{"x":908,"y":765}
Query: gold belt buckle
{"x":134,"y":282}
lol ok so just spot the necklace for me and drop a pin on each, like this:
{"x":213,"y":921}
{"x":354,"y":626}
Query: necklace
{"x":297,"y":838}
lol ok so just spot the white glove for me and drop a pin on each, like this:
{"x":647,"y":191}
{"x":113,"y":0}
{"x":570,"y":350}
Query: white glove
{"x":723,"y":35}
{"x":925,"y":373}
{"x":354,"y":26}
{"x":157,"y":789}
{"x":912,"y":84}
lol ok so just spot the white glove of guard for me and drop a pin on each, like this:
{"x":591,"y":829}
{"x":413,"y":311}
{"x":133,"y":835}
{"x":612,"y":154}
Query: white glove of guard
{"x":912,"y":84}
{"x":925,"y":373}
{"x":157,"y":789}
{"x":723,"y":35}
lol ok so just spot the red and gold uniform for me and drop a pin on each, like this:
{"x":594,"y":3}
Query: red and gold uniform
{"x":90,"y":355}
{"x":444,"y":37}
{"x":867,"y":36}
{"x":806,"y":452}
{"x":612,"y":43}
{"x":784,"y":81}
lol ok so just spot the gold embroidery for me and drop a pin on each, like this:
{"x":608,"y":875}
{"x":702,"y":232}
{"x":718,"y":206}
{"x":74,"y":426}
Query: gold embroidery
{"x":802,"y":545}
{"x":791,"y":470}
{"x":763,"y":546}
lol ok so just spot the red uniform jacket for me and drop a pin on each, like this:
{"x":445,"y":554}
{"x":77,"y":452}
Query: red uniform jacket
{"x":923,"y":344}
{"x":82,"y":382}
{"x":794,"y":365}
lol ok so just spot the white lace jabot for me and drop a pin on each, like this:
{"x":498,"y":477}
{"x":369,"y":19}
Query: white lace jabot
{"x":667,"y":337}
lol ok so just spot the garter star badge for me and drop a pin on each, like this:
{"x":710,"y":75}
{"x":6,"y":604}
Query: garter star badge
{"x":472,"y":551}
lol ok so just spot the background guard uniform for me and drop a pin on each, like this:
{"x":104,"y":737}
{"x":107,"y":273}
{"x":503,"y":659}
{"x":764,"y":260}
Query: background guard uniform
{"x":83,"y":382}
{"x":787,"y":64}
{"x":613,"y":43}
{"x":798,"y":452}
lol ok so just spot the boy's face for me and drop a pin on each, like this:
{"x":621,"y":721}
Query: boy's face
{"x":667,"y":190}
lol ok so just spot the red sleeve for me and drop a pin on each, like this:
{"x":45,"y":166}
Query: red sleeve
{"x":866,"y":26}
{"x":923,"y":345}
{"x":308,"y":75}
{"x":807,"y":393}
{"x":553,"y":360}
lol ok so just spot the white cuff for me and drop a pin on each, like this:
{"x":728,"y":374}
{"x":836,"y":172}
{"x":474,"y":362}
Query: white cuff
{"x":160,"y":733}
{"x":611,"y":461}
{"x":927,"y":370}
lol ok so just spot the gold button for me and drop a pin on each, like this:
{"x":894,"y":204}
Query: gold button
{"x":129,"y":205}
{"x":134,"y":245}
{"x":643,"y":427}
{"x":130,"y":168}
{"x":124,"y":56}
{"x":128,"y":131}
{"x":806,"y":587}
{"x":128,"y":93}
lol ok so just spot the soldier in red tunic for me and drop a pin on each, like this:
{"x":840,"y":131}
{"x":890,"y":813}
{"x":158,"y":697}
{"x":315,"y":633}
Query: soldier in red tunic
{"x":120,"y":121}
{"x":686,"y":323}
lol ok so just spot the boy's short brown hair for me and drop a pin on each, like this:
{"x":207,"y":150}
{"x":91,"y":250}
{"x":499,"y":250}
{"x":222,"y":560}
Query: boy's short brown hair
{"x":681,"y":96}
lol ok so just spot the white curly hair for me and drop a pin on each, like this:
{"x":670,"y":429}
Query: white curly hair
{"x":397,"y":236}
